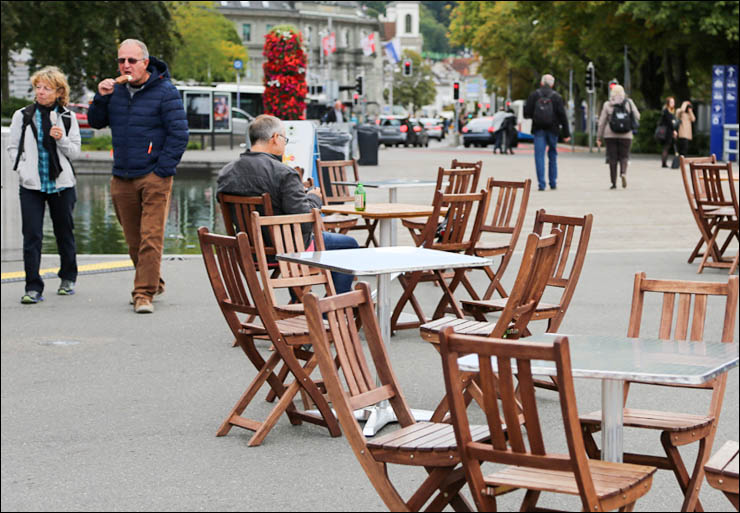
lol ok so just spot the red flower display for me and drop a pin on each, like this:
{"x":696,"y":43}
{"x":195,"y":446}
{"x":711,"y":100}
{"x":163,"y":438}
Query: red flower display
{"x":284,"y":74}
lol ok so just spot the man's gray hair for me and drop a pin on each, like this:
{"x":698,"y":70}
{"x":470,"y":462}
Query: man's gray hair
{"x":547,"y":80}
{"x":142,"y":46}
{"x":263,"y":128}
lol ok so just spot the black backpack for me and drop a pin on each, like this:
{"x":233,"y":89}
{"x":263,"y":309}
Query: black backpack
{"x":621,"y":119}
{"x":544,"y":111}
{"x":28,"y":113}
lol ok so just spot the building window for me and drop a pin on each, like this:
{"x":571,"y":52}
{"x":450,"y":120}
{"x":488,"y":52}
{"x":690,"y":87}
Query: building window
{"x":246,"y":32}
{"x":309,"y":35}
{"x":345,"y":38}
{"x":408,"y":24}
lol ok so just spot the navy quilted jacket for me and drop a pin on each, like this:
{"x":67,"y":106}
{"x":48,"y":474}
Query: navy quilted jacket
{"x":150,"y":130}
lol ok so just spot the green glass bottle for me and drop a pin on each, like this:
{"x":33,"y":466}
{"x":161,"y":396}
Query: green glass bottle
{"x":360,"y":198}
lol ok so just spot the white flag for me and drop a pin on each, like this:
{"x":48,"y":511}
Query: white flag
{"x":368,"y":44}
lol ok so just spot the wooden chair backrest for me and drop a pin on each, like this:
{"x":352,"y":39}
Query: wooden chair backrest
{"x":508,"y":445}
{"x":571,"y":257}
{"x":308,"y":182}
{"x":508,"y":207}
{"x":461,"y":209}
{"x":357,"y":387}
{"x":714,"y":186}
{"x":538,"y":262}
{"x":686,"y":176}
{"x":287,"y":237}
{"x":457,"y":164}
{"x":331,"y":171}
{"x":226,"y":272}
{"x":237,"y":211}
{"x":461,"y":180}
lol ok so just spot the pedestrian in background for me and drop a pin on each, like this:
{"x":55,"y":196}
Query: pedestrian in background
{"x":44,"y":137}
{"x":150,"y":133}
{"x":685,"y":117}
{"x":546,"y":110}
{"x":669,"y":121}
{"x":615,"y":127}
{"x":336,"y":114}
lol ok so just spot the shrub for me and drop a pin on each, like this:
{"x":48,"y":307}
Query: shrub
{"x":13,"y":104}
{"x":98,"y":144}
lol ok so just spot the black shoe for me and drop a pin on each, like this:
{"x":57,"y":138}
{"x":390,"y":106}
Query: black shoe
{"x":553,"y":187}
{"x":540,"y":188}
{"x":664,"y":165}
{"x":614,"y":186}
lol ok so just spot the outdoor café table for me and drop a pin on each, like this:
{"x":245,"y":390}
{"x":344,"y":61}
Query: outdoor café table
{"x":382,"y":262}
{"x":615,"y":360}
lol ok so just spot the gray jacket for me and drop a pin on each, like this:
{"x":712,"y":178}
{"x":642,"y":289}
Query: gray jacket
{"x":256,"y":173}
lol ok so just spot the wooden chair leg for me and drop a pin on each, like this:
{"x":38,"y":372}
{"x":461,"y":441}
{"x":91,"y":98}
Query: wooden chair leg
{"x":530,"y":500}
{"x":448,"y":297}
{"x":628,"y":507}
{"x":678,"y":467}
{"x":409,"y":285}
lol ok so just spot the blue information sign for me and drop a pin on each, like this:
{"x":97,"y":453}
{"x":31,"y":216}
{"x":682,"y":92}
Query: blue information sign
{"x":717,"y":118}
{"x":238,"y":64}
{"x":731,"y":100}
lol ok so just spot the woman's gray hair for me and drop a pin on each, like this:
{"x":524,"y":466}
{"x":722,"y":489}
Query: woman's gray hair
{"x":142,"y":46}
{"x":263,"y":128}
{"x":547,"y":80}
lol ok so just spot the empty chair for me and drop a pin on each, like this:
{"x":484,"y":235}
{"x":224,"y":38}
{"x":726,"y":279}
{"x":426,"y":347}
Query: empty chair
{"x":601,"y":486}
{"x":352,"y":386}
{"x":565,"y":275}
{"x":677,"y":429}
{"x":333,"y":171}
{"x":237,"y":291}
{"x":334,"y":222}
{"x":689,"y":189}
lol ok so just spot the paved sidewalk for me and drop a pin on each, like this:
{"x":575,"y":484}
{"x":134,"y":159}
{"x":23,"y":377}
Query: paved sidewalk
{"x":103,"y":409}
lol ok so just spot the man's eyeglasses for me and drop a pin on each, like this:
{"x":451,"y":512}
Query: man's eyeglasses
{"x":131,"y":60}
{"x":286,"y":139}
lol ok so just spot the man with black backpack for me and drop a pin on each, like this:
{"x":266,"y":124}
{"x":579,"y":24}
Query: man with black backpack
{"x":546,"y":110}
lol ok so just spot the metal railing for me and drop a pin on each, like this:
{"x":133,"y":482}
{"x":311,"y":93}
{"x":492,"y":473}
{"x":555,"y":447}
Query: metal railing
{"x":727,"y":139}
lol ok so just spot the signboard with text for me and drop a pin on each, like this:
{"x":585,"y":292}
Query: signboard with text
{"x":724,"y":106}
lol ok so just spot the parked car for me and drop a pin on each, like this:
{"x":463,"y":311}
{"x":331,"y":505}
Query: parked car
{"x":418,"y":135}
{"x":478,"y":132}
{"x":393,"y":130}
{"x":240,"y":120}
{"x":433,"y":127}
{"x":80,"y":110}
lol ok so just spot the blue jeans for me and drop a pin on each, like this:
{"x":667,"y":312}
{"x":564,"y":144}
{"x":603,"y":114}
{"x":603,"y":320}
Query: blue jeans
{"x":342,"y":282}
{"x":544,"y":138}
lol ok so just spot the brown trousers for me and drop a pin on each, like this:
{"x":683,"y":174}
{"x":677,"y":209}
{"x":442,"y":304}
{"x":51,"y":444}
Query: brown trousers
{"x":142,"y":205}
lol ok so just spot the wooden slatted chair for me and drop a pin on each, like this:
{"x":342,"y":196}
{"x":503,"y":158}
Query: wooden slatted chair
{"x":601,"y":486}
{"x":507,"y":211}
{"x":722,"y":472}
{"x":689,"y":189}
{"x":677,"y":429}
{"x":458,"y":180}
{"x":352,"y":386}
{"x":565,"y":275}
{"x":236,"y":288}
{"x":453,"y":236}
{"x":332,"y":171}
{"x":336,"y":223}
{"x":537,"y":264}
{"x":717,"y":202}
{"x":286,"y":236}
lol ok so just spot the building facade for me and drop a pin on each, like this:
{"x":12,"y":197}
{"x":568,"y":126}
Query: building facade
{"x":254,"y":19}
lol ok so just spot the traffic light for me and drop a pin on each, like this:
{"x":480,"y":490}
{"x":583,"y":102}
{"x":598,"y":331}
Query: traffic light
{"x":456,"y":90}
{"x":590,"y":78}
{"x":359,"y":85}
{"x":406,"y":68}
{"x":356,"y":99}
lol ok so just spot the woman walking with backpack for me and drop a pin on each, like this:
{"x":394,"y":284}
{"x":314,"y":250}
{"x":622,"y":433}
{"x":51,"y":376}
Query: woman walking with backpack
{"x":44,"y":137}
{"x":618,"y":118}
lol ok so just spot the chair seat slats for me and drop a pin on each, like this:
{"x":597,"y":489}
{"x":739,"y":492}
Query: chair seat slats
{"x":653,"y":419}
{"x":424,"y":436}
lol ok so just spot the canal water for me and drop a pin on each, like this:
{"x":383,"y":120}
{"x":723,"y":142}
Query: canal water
{"x":97,"y":231}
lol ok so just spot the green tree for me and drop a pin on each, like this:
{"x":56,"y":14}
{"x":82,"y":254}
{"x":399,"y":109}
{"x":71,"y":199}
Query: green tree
{"x":418,"y":89}
{"x":210,"y":43}
{"x":433,"y":32}
{"x":82,"y":41}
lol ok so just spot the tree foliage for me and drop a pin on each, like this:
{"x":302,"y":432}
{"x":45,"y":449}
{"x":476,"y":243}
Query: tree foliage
{"x":210,"y":43}
{"x":83,"y":41}
{"x":418,"y":89}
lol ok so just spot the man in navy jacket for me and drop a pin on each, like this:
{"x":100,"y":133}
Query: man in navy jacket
{"x":150,"y":133}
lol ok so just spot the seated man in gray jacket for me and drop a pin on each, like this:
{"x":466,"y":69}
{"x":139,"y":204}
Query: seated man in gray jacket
{"x":261,"y":170}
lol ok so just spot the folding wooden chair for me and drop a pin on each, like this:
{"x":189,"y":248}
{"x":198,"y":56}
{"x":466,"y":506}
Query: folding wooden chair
{"x":336,"y":223}
{"x":565,"y":274}
{"x":508,"y":209}
{"x":537,"y":264}
{"x":677,"y":429}
{"x":286,"y":236}
{"x":352,"y":386}
{"x":332,"y":171}
{"x":451,"y":236}
{"x":717,"y":203}
{"x":234,"y":280}
{"x":459,"y":180}
{"x":601,"y":486}
{"x":722,"y":472}
{"x":689,"y":189}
